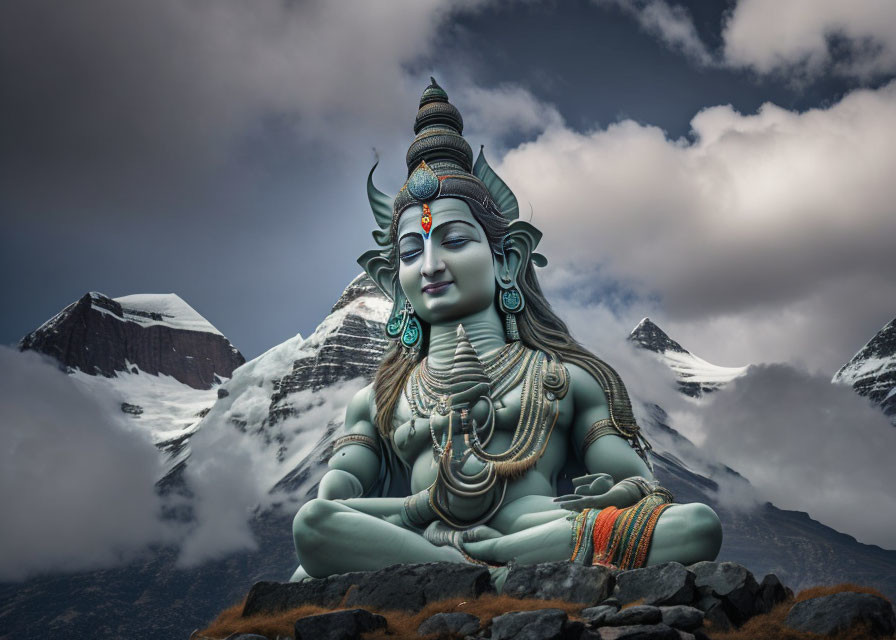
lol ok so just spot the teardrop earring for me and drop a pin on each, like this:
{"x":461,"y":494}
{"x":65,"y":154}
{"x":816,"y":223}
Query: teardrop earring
{"x":412,"y":336}
{"x":511,"y":303}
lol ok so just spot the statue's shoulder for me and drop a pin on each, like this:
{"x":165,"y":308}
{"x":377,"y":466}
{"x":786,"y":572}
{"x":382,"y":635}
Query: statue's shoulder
{"x":584,"y":387}
{"x":360,"y":411}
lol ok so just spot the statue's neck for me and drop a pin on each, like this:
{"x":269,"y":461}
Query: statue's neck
{"x":484,"y":329}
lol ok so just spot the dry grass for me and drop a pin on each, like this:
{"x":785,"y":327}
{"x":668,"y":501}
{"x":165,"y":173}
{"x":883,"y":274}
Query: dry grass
{"x":770,"y":626}
{"x":404,"y":625}
{"x":271,"y":625}
{"x":401,"y":624}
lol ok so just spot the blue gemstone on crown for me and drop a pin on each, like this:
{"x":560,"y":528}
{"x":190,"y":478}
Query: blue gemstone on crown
{"x":423,"y":182}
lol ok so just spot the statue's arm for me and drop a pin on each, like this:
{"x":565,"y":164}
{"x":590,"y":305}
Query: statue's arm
{"x":355,"y":464}
{"x":608,"y":452}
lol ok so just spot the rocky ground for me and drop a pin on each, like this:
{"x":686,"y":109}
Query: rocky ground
{"x":552,"y":601}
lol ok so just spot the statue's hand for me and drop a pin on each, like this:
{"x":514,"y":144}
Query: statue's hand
{"x":597,"y":491}
{"x":441,"y":535}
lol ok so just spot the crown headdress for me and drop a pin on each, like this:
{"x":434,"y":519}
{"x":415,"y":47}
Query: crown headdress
{"x":440,"y":165}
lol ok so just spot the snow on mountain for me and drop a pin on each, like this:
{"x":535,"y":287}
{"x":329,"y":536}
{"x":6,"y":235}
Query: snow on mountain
{"x":695,"y":375}
{"x":163,"y":309}
{"x":154,"y":351}
{"x":872,"y":371}
{"x":286,"y":405}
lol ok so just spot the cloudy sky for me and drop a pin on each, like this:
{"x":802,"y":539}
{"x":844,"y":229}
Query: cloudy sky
{"x":725,"y":168}
{"x":721,"y":168}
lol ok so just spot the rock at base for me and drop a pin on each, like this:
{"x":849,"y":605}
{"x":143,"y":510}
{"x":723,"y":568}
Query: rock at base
{"x":559,"y":581}
{"x":636,"y":632}
{"x":733,"y":584}
{"x":339,"y":625}
{"x":682,"y":617}
{"x":541,"y":624}
{"x":638,"y":615}
{"x":595,"y":616}
{"x":662,"y":584}
{"x":771,"y":592}
{"x":411,"y":587}
{"x":460,"y":624}
{"x":827,"y":615}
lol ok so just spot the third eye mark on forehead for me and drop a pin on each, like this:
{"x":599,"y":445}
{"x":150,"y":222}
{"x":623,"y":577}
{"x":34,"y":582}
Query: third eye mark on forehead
{"x":444,"y":227}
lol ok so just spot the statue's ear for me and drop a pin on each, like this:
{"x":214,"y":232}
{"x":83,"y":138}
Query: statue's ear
{"x":519,"y":248}
{"x":378,"y":266}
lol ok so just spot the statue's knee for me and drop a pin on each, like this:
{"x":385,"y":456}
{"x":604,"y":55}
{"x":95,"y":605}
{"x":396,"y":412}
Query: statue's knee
{"x":704,"y":525}
{"x":311,"y":517}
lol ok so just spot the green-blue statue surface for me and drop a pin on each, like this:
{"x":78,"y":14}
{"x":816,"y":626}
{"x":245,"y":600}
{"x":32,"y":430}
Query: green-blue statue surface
{"x":483,"y":401}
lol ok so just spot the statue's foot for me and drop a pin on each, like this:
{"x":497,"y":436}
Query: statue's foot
{"x":300,"y":575}
{"x":498,"y":577}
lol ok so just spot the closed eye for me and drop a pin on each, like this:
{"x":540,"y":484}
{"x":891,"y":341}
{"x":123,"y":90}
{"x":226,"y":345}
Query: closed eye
{"x":408,"y":256}
{"x":455,"y":242}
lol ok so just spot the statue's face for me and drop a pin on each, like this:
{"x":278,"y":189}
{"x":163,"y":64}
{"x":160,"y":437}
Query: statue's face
{"x":450,"y":274}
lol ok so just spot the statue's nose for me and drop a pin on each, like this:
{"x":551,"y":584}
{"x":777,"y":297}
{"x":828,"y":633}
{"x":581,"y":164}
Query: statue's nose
{"x":432,"y":263}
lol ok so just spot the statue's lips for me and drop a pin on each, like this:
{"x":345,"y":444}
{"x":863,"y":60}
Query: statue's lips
{"x":437,"y":287}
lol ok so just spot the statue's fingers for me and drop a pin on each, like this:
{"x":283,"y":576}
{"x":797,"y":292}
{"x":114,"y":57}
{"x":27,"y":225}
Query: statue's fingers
{"x":601,"y":484}
{"x":572,"y":502}
{"x":482,"y":532}
{"x":586,"y":480}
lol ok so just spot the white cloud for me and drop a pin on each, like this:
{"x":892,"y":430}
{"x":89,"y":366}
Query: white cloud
{"x":801,"y":39}
{"x":855,"y":38}
{"x":232,"y":470}
{"x":670,"y":23}
{"x":76,"y":485}
{"x":756,"y":235}
{"x":805,"y":444}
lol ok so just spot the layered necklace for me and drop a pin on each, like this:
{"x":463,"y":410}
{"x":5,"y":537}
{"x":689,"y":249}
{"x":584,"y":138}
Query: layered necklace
{"x":544,"y":383}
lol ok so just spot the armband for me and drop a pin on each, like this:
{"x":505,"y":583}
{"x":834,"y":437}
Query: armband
{"x":599,"y":429}
{"x":356,"y":438}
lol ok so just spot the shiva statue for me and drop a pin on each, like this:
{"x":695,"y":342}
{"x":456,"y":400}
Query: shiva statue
{"x":484,"y":406}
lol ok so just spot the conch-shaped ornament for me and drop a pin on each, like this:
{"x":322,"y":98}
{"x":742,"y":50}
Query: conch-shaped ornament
{"x":469,"y":381}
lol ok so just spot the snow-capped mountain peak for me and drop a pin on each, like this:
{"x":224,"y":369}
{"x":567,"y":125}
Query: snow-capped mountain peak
{"x":165,"y":309}
{"x":695,"y":375}
{"x":872,"y":371}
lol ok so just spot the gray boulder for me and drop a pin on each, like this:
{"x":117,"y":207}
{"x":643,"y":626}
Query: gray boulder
{"x":411,"y":587}
{"x":271,"y":597}
{"x":339,"y":625}
{"x":827,"y":615}
{"x":595,"y":616}
{"x":682,"y":617}
{"x":640,"y":614}
{"x":733,"y":584}
{"x":714,"y":613}
{"x":541,"y":624}
{"x":771,"y":592}
{"x":559,"y":581}
{"x":458,"y":624}
{"x":662,"y":584}
{"x":637,"y":632}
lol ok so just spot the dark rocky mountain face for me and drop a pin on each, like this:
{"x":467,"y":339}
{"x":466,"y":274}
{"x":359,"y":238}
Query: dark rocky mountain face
{"x":98,"y":336}
{"x":872,"y":371}
{"x":353,"y":350}
{"x":649,"y":336}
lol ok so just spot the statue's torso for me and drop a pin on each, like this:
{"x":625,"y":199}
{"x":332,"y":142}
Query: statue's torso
{"x":413,"y":442}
